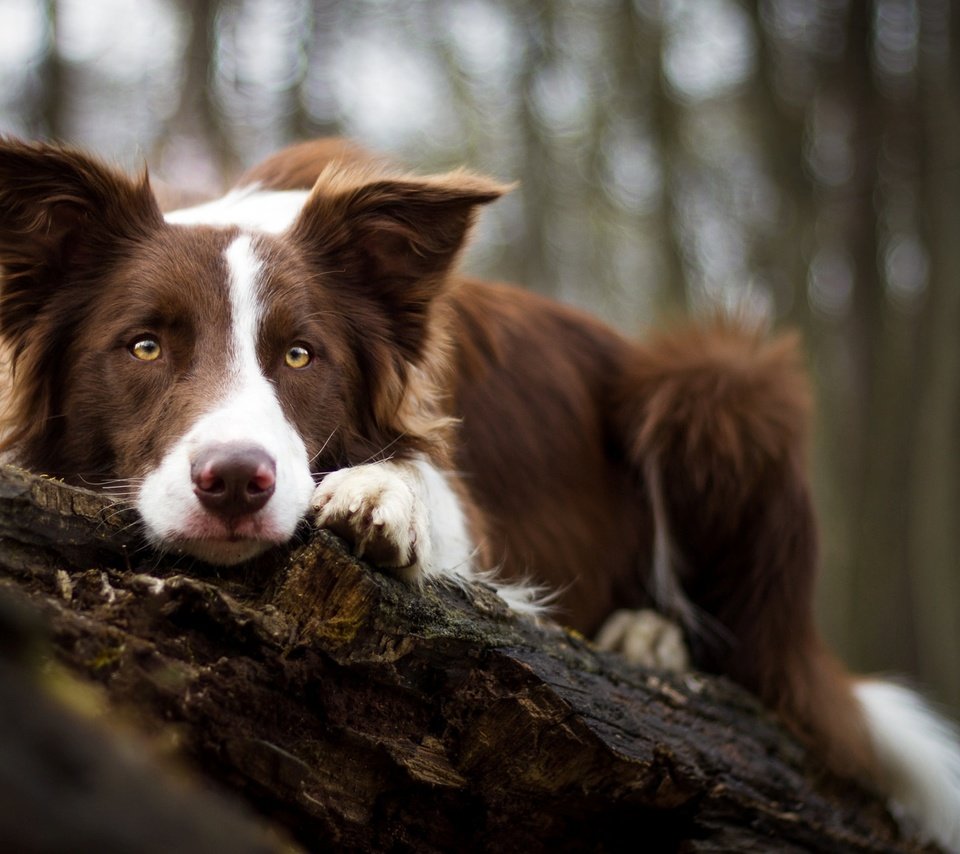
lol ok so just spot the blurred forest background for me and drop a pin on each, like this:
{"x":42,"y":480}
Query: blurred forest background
{"x":797,"y":157}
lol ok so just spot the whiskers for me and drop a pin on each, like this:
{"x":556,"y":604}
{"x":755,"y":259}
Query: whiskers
{"x":320,"y":475}
{"x":323,"y":447}
{"x":123,"y":493}
{"x":112,"y":486}
{"x":120,"y":516}
{"x":381,"y":455}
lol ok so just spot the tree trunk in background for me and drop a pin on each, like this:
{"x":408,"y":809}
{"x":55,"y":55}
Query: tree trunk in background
{"x":871,"y":346}
{"x":198,"y":115}
{"x":780,"y":130}
{"x":934,"y":508}
{"x":314,"y":111}
{"x":663,"y":113}
{"x":49,"y":113}
{"x":531,"y":256}
{"x":350,"y":710}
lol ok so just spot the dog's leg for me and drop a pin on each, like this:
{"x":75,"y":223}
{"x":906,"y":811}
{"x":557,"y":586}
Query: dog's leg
{"x":402,"y":516}
{"x":646,"y":638}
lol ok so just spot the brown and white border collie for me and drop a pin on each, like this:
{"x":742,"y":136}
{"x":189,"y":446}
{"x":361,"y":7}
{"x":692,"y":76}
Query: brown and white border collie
{"x":219,"y":361}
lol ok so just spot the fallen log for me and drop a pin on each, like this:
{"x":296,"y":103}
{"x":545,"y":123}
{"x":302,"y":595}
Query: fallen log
{"x":344,"y":709}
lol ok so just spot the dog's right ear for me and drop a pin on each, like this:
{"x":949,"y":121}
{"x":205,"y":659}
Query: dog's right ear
{"x":61,"y":214}
{"x":391,"y":240}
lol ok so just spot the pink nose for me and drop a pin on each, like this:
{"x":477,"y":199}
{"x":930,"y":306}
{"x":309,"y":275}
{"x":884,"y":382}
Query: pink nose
{"x":233,"y":480}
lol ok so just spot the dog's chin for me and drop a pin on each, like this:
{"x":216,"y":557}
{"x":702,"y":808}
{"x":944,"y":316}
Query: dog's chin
{"x":223,"y":552}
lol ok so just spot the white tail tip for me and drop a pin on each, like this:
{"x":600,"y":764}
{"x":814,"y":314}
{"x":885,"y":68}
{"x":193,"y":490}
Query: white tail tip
{"x":918,"y":753}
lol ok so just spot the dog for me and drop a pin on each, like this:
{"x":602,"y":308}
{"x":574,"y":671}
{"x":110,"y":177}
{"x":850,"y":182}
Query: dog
{"x":304,"y":347}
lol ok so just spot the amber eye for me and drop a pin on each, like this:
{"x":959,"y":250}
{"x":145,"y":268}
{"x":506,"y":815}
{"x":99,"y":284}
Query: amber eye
{"x":145,"y":349}
{"x":298,"y":356}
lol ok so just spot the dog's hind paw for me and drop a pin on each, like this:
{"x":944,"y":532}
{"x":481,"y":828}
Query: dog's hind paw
{"x":378,"y":510}
{"x":644,"y":637}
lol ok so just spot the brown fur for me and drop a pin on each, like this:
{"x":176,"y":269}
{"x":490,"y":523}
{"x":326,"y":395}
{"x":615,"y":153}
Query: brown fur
{"x":590,"y":462}
{"x":297,"y":166}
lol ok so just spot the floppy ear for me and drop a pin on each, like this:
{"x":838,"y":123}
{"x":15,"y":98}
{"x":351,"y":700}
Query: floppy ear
{"x":60,"y":213}
{"x":391,"y":240}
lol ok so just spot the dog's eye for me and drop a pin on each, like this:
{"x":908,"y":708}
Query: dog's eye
{"x":298,"y":356}
{"x":145,"y":349}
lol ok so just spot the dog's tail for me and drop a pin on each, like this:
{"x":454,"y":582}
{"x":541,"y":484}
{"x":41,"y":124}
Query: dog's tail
{"x":917,"y":756}
{"x":716,"y":420}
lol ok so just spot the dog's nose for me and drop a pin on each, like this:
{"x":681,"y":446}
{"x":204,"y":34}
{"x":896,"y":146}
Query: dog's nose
{"x":233,"y":480}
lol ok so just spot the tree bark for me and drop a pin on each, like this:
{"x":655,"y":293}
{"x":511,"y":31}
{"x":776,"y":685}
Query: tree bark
{"x":346,"y":709}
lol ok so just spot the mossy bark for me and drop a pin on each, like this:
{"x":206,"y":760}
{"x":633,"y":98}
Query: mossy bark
{"x":344,"y":709}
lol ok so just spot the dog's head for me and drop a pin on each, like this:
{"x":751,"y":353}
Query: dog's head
{"x":214,"y":370}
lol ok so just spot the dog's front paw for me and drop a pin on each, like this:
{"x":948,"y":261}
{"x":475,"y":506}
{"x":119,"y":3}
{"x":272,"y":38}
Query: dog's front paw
{"x":645,"y":637}
{"x":377,"y":509}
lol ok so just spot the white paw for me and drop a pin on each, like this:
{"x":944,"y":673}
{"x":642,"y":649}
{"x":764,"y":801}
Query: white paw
{"x":644,"y":637}
{"x":378,"y":510}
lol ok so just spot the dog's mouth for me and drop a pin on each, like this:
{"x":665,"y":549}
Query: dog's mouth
{"x":225,"y":541}
{"x":226,"y":551}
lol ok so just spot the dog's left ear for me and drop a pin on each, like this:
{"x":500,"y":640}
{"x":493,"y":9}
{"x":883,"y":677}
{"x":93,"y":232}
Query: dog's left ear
{"x":391,"y":240}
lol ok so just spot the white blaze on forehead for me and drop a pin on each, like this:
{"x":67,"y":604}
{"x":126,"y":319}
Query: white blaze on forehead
{"x":250,"y":207}
{"x":245,"y":308}
{"x":244,"y":408}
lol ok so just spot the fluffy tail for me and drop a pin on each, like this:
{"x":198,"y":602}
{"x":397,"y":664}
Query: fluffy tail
{"x":716,"y":423}
{"x":917,"y":758}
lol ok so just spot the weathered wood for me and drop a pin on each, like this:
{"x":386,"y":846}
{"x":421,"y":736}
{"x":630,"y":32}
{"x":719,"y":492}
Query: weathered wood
{"x":351,"y":710}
